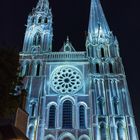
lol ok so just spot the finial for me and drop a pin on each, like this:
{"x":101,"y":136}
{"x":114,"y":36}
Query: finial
{"x":68,"y":39}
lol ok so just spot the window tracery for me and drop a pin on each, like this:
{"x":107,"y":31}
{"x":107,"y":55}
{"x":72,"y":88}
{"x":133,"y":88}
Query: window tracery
{"x":66,"y":79}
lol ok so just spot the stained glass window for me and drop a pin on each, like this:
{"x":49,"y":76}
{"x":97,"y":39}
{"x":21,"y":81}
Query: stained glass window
{"x":52,"y":116}
{"x":82,"y":116}
{"x":38,"y":70}
{"x":67,"y":114}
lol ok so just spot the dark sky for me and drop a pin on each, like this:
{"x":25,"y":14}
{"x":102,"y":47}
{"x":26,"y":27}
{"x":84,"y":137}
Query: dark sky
{"x":71,"y":18}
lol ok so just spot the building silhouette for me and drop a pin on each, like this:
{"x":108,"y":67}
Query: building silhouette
{"x":75,"y":95}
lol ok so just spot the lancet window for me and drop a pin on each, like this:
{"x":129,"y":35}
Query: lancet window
{"x":27,"y":69}
{"x":116,"y":105}
{"x":67,"y":114}
{"x":45,"y":20}
{"x":82,"y":116}
{"x":110,"y":68}
{"x":39,"y":20}
{"x":121,"y":132}
{"x":103,"y":131}
{"x":100,"y":106}
{"x":38,"y":69}
{"x":33,"y":106}
{"x":52,"y":114}
{"x":37,"y":39}
{"x":97,"y":68}
{"x":31,"y":132}
{"x":102,"y":52}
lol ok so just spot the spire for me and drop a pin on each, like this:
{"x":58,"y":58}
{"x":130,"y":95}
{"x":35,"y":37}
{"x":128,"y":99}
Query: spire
{"x":68,"y":39}
{"x":67,"y":47}
{"x":43,"y":5}
{"x":97,"y":22}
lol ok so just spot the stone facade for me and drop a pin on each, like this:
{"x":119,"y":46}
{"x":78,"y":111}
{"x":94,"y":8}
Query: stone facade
{"x":75,"y":95}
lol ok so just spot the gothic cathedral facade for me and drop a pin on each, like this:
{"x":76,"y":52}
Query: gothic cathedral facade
{"x":75,"y":95}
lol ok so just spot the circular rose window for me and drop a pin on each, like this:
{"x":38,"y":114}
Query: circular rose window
{"x":66,"y":79}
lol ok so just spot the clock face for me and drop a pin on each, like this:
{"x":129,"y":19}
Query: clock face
{"x":66,"y":79}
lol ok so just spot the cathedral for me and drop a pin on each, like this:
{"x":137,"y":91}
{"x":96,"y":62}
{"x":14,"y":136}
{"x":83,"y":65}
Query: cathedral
{"x":75,"y":95}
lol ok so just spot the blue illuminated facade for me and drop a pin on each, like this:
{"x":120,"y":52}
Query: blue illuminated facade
{"x":75,"y":95}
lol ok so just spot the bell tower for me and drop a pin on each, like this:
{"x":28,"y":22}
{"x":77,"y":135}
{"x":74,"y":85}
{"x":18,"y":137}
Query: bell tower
{"x":111,"y":107}
{"x":39,"y":32}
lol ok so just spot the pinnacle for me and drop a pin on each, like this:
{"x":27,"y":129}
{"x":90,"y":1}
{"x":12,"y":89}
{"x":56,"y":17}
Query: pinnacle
{"x":43,"y":5}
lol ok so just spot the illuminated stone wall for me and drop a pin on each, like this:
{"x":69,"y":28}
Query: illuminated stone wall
{"x":75,"y":95}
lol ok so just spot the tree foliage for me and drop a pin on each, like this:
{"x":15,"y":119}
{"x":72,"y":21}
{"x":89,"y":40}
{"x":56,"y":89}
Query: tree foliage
{"x":9,"y":65}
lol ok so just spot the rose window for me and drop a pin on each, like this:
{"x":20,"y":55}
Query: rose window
{"x":66,"y":79}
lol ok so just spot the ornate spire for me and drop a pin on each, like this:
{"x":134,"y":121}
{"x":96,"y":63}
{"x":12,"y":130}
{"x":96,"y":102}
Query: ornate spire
{"x":68,"y":39}
{"x":97,"y":22}
{"x":67,"y":47}
{"x":43,"y":5}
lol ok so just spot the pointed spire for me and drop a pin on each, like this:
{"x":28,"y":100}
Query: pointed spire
{"x":67,"y":47}
{"x":68,"y":39}
{"x":97,"y":22}
{"x":43,"y":5}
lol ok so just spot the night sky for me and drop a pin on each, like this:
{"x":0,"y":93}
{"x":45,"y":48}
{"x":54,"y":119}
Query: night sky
{"x":71,"y":19}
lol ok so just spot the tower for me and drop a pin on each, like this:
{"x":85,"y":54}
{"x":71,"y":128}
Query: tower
{"x":75,"y":95}
{"x":39,"y":32}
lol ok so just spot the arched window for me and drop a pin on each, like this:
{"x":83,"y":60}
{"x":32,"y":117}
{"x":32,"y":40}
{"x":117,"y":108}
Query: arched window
{"x":121,"y":132}
{"x":102,"y":52}
{"x":82,"y":116}
{"x":27,"y":69}
{"x":67,"y":114}
{"x":38,"y":70}
{"x":116,"y":103}
{"x":52,"y":114}
{"x":31,"y":132}
{"x":103,"y":132}
{"x":37,"y":39}
{"x":115,"y":107}
{"x":100,"y":106}
{"x":110,"y":68}
{"x":45,"y":20}
{"x":33,"y":105}
{"x":97,"y":68}
{"x":39,"y":20}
